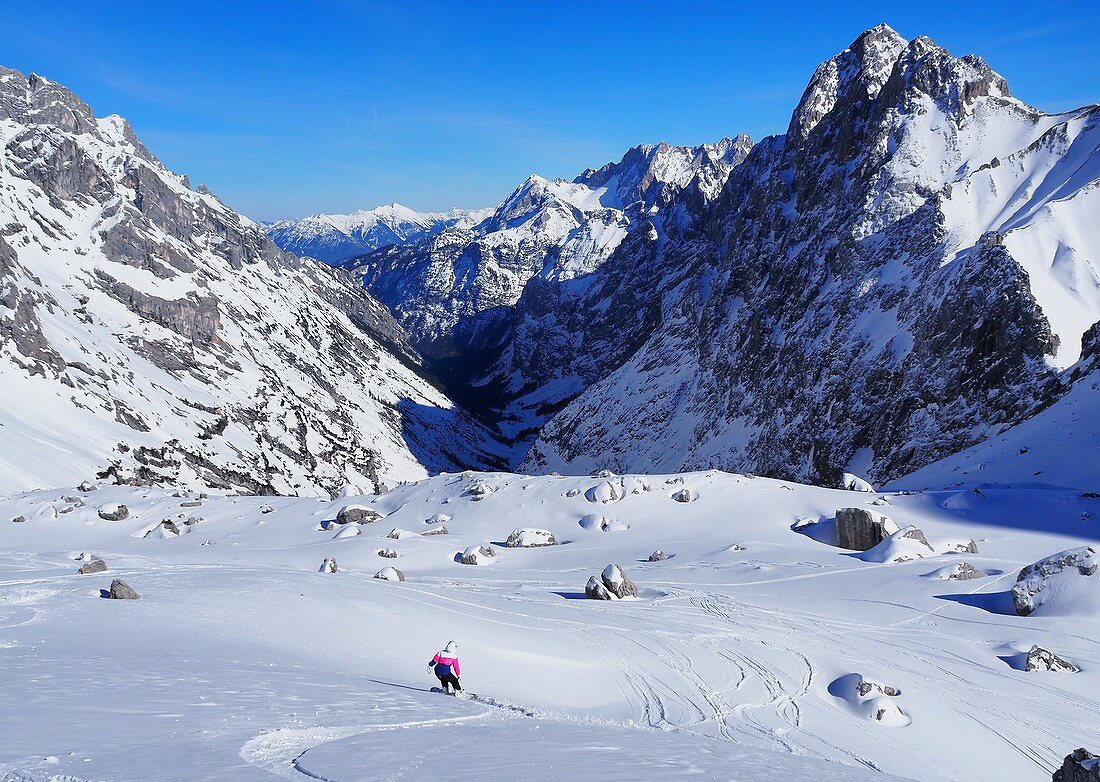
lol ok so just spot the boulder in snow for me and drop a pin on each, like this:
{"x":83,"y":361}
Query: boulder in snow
{"x":573,"y":492}
{"x":859,"y":529}
{"x":329,"y":565}
{"x":390,"y":574}
{"x":658,"y":556}
{"x":902,"y":546}
{"x":603,"y":492}
{"x":531,"y":538}
{"x":399,"y":534}
{"x":595,"y":590}
{"x":166,"y":530}
{"x":683,"y":495}
{"x":18,"y":519}
{"x":960,"y":571}
{"x":594,"y":521}
{"x":113,"y":511}
{"x":437,"y":518}
{"x":482,"y":554}
{"x":93,"y":565}
{"x":357,"y":514}
{"x":615,"y":582}
{"x":440,"y":530}
{"x":1079,"y":766}
{"x":1040,"y":659}
{"x":853,"y":482}
{"x":1064,"y":583}
{"x":87,"y":486}
{"x":387,"y":553}
{"x":479,"y":491}
{"x":120,"y":590}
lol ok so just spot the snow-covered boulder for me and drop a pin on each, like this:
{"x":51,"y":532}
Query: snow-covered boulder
{"x":482,"y":554}
{"x":853,"y":482}
{"x":18,"y":519}
{"x":603,"y":492}
{"x":902,"y":546}
{"x":440,"y":530}
{"x":616,"y":582}
{"x":604,"y":474}
{"x":574,"y":492}
{"x":1062,"y":584}
{"x":1079,"y":766}
{"x":348,"y":490}
{"x":387,"y":553}
{"x":166,"y":530}
{"x":390,"y":574}
{"x":1040,"y":659}
{"x":93,"y":565}
{"x":401,"y":534}
{"x":658,"y":556}
{"x":960,"y":571}
{"x":437,"y":518}
{"x":599,"y":523}
{"x":357,"y":514}
{"x":683,"y":495}
{"x":870,"y":700}
{"x":479,"y":491}
{"x":859,"y":529}
{"x":87,"y":486}
{"x":531,"y":538}
{"x":595,"y":590}
{"x":329,"y":565}
{"x":348,"y":531}
{"x":120,"y":590}
{"x":113,"y":511}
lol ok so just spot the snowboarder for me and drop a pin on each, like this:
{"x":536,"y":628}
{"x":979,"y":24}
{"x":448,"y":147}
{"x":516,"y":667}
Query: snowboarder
{"x":446,"y":668}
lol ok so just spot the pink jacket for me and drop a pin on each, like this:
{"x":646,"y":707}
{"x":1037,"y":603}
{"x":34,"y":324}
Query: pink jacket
{"x":442,"y":659}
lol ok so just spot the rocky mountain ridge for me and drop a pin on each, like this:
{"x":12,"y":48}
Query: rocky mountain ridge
{"x":150,"y":335}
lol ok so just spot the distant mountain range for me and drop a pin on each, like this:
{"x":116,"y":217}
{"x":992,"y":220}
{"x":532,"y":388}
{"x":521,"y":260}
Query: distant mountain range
{"x":335,"y":238}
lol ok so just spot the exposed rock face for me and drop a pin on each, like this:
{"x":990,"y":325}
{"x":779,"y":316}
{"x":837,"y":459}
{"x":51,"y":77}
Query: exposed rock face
{"x":93,"y":565}
{"x":1040,"y":659}
{"x":530,"y":538}
{"x":113,"y":512}
{"x":1079,"y":766}
{"x":120,"y":590}
{"x":357,"y":514}
{"x":859,"y":529}
{"x":1036,"y":582}
{"x":852,"y":275}
{"x":198,"y":351}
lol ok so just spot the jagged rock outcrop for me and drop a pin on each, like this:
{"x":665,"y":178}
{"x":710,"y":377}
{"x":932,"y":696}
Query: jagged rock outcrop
{"x":1040,"y":659}
{"x":181,"y":344}
{"x":873,"y":287}
{"x":1079,"y":766}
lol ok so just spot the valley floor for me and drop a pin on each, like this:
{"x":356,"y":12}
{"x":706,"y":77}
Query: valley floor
{"x":737,"y":660}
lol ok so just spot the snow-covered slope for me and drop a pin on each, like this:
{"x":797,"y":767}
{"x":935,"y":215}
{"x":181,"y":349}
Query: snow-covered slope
{"x":149,"y":332}
{"x":903,"y":273}
{"x":753,"y":651}
{"x":454,"y":291}
{"x":335,"y":238}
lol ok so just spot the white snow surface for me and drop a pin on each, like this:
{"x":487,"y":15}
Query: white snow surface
{"x":242,"y":661}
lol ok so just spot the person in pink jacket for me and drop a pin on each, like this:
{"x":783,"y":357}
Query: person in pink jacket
{"x":446,"y":668}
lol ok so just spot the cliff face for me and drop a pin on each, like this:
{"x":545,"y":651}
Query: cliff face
{"x":895,"y":278}
{"x":149,"y":333}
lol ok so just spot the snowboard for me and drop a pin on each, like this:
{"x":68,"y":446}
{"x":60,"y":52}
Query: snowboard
{"x":463,"y":694}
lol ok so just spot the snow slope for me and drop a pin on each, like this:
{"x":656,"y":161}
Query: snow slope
{"x":334,"y":238}
{"x":741,"y":658}
{"x":149,"y":332}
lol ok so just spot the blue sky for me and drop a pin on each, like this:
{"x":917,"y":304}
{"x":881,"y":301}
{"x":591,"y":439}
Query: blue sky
{"x":284,"y":109}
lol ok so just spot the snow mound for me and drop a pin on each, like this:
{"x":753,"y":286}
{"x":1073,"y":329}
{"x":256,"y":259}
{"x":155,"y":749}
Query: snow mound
{"x":870,"y":700}
{"x":911,"y":543}
{"x":603,"y":493}
{"x":960,"y":571}
{"x":853,"y":482}
{"x":482,"y":554}
{"x":437,"y":518}
{"x":390,"y":574}
{"x":1064,"y":584}
{"x":348,"y":531}
{"x":594,"y":521}
{"x":531,"y":538}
